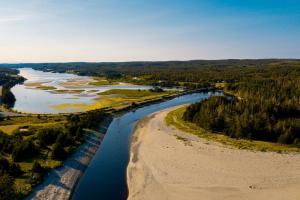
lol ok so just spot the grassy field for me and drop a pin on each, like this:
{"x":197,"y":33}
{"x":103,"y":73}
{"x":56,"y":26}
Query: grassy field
{"x":114,"y":98}
{"x":32,"y":122}
{"x":30,"y":125}
{"x":9,"y":129}
{"x":174,"y":118}
{"x":101,"y":81}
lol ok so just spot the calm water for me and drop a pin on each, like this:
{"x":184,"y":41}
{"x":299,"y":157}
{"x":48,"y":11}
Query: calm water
{"x":105,"y":178}
{"x":44,"y":101}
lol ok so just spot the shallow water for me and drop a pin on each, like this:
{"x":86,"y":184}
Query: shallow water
{"x":44,"y":101}
{"x":105,"y":178}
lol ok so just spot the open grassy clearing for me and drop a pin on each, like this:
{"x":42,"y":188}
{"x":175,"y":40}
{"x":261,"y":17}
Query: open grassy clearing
{"x":34,"y":122}
{"x":174,"y":118}
{"x":9,"y":129}
{"x":99,"y":81}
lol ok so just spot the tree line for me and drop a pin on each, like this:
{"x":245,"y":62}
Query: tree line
{"x":265,"y":107}
{"x":8,"y":79}
{"x":193,"y":74}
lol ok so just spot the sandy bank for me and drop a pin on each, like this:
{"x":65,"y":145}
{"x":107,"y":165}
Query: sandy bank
{"x":166,"y":163}
{"x":60,"y":183}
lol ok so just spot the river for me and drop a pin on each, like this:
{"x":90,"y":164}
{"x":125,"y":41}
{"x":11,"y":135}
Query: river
{"x":105,"y":178}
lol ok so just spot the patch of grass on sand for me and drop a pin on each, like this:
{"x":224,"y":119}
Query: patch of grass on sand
{"x":9,"y":129}
{"x":39,"y":86}
{"x":181,"y":138}
{"x":45,"y":87}
{"x":174,"y":118}
{"x":67,"y":91}
{"x":34,"y":84}
{"x":101,"y":81}
{"x":97,"y":104}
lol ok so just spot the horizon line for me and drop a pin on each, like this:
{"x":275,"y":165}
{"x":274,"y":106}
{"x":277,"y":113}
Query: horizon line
{"x":133,"y":61}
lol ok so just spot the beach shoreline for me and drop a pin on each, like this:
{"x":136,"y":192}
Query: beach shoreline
{"x":166,"y":163}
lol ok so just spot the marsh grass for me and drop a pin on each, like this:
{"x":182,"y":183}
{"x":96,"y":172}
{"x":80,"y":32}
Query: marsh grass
{"x":114,"y":98}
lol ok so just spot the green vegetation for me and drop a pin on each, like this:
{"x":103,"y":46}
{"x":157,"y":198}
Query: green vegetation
{"x":99,"y":81}
{"x":67,"y":91}
{"x":262,"y":112}
{"x":135,"y":93}
{"x":46,"y":87}
{"x":265,"y":106}
{"x":38,"y":144}
{"x":175,"y":118}
{"x":8,"y":79}
{"x":189,"y":74}
{"x":117,"y":98}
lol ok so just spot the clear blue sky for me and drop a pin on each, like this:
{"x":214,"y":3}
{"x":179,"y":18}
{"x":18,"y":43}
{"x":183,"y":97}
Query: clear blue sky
{"x":122,"y":30}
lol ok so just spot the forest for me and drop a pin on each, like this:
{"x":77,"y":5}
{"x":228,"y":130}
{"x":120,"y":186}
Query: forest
{"x":24,"y":154}
{"x":9,"y":78}
{"x":190,"y":74}
{"x":265,"y":105}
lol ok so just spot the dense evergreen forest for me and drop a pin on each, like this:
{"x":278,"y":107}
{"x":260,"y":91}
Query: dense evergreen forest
{"x":265,"y":106}
{"x":197,"y":73}
{"x":9,"y":78}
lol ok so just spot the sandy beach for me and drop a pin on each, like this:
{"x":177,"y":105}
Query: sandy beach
{"x":166,"y":163}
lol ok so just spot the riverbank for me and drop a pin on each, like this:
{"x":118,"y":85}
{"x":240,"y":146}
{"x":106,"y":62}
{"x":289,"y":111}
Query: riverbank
{"x":35,"y":122}
{"x":166,"y":163}
{"x":60,"y":182}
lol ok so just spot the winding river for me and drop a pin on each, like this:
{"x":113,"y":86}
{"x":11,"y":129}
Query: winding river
{"x":105,"y":178}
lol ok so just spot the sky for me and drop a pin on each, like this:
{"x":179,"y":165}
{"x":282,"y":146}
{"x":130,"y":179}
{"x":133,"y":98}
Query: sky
{"x":136,"y":30}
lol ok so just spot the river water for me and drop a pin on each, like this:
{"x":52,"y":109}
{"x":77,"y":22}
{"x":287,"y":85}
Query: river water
{"x":105,"y":178}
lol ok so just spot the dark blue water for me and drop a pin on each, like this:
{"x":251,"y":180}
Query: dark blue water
{"x":105,"y":178}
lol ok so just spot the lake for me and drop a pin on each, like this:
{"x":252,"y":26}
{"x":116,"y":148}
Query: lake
{"x":37,"y":95}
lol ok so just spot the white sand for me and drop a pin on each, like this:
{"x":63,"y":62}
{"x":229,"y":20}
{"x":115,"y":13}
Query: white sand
{"x":163,"y":167}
